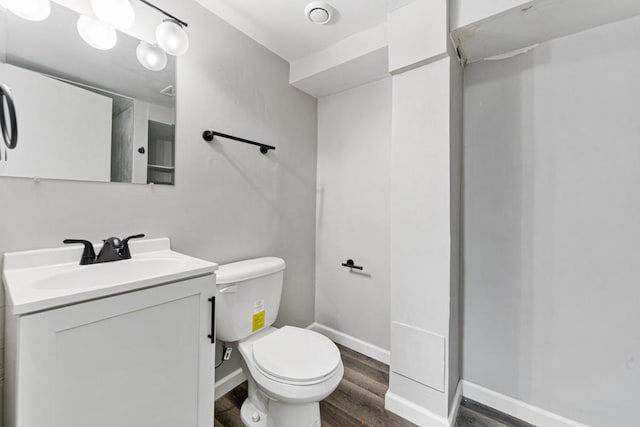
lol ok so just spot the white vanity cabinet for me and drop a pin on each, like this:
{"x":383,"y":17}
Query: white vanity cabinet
{"x":142,"y":358}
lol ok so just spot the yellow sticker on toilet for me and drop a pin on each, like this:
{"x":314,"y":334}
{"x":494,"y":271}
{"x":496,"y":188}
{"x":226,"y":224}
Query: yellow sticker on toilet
{"x":257,"y":321}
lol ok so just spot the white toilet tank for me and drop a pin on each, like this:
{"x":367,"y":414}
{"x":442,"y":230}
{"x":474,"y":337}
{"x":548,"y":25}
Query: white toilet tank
{"x":248,"y":297}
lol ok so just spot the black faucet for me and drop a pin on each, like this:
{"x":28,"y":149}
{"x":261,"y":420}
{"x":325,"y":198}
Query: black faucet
{"x":110,"y":251}
{"x":113,"y":249}
{"x":88,"y":254}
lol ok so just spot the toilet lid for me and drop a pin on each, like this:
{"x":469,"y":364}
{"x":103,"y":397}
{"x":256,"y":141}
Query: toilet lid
{"x":296,"y":355}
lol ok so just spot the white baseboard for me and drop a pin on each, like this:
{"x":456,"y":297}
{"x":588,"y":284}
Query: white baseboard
{"x":420,"y":415}
{"x":412,"y":412}
{"x":356,"y":344}
{"x":226,"y":384}
{"x":516,"y":408}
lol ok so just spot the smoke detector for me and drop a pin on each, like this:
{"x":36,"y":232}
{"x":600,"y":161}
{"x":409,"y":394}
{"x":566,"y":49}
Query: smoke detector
{"x":319,"y":12}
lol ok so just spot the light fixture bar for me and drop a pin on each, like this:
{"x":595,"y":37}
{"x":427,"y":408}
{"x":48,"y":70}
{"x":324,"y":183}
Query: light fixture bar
{"x":179,"y":21}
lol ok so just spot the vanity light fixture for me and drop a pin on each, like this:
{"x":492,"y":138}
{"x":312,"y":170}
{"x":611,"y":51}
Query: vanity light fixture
{"x":96,"y":33}
{"x":31,"y":10}
{"x":116,"y":13}
{"x":100,"y":31}
{"x":151,"y":57}
{"x":172,"y":38}
{"x":170,"y":34}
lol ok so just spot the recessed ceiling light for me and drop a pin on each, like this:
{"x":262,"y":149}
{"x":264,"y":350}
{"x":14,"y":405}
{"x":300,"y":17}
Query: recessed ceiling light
{"x":319,"y":12}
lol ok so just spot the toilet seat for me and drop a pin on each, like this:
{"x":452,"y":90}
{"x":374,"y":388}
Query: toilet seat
{"x":284,"y":356}
{"x":277,"y":388}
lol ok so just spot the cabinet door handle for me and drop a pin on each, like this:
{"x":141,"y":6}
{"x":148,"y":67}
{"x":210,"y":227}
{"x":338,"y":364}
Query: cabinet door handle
{"x":213,"y":320}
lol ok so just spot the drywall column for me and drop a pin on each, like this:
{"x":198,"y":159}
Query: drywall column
{"x":424,"y":215}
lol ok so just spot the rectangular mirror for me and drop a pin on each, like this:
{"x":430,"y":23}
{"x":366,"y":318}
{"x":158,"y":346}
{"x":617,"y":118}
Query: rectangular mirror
{"x":83,"y":113}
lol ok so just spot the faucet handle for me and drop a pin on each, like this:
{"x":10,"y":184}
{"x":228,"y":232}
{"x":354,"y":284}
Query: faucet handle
{"x":113,"y":243}
{"x":125,"y":253}
{"x":88,"y":254}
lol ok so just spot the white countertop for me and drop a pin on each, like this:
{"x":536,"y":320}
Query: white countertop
{"x":48,"y":278}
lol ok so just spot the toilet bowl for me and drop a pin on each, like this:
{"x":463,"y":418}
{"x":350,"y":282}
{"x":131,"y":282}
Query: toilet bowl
{"x":289,"y":370}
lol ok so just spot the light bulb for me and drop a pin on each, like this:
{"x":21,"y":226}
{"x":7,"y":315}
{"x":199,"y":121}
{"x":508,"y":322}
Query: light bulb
{"x":116,"y":13}
{"x":172,"y":38}
{"x":151,"y":57}
{"x":96,"y":33}
{"x":32,"y":10}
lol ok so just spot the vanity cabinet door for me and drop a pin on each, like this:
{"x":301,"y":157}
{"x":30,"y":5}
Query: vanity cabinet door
{"x":141,"y":359}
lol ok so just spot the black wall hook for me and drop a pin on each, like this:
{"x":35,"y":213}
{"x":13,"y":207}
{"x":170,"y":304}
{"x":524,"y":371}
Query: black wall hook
{"x":351,"y":264}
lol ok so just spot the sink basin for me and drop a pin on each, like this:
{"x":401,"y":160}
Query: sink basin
{"x":49,"y":278}
{"x":80,"y":277}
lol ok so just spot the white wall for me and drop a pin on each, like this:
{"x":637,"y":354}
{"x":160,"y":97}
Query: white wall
{"x":64,"y":131}
{"x":354,"y":148}
{"x":552,"y":236}
{"x":230,"y":202}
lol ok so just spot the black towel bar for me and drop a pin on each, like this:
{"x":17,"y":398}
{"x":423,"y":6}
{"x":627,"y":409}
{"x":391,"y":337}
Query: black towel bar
{"x":208,"y":136}
{"x":351,"y":264}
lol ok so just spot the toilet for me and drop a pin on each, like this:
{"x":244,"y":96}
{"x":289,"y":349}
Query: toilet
{"x":289,"y":370}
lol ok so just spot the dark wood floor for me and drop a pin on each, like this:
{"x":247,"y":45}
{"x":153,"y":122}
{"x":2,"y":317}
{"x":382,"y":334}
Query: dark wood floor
{"x":359,"y":401}
{"x":472,"y":414}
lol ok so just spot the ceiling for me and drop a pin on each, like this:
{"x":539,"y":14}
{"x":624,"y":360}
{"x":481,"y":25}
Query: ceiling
{"x":522,"y":28}
{"x":281,"y":26}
